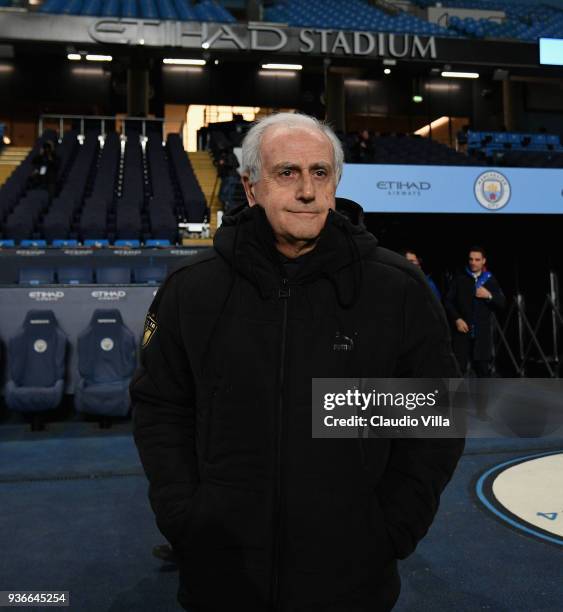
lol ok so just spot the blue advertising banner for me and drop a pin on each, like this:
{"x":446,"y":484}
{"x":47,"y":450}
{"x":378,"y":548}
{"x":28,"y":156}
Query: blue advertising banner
{"x":453,"y":189}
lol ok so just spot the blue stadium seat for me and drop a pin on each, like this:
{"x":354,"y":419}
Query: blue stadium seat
{"x":150,"y":274}
{"x":92,"y":8}
{"x":36,"y":357}
{"x":96,"y":242}
{"x":111,"y":8}
{"x":33,"y":243}
{"x":64,"y":243}
{"x":113,"y":276}
{"x":36,"y":276}
{"x":7,"y":242}
{"x":156,"y":242}
{"x":106,"y":362}
{"x":75,"y":275}
{"x":129,"y":9}
{"x":125,"y":242}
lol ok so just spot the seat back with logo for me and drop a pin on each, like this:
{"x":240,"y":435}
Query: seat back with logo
{"x":36,"y":276}
{"x":113,"y":275}
{"x":36,"y":356}
{"x":106,"y":362}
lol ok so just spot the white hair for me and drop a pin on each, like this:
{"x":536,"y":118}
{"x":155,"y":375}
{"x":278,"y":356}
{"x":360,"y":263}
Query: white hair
{"x":251,"y":158}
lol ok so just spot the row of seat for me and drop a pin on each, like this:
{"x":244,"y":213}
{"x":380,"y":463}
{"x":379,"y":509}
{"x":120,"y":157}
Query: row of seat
{"x":9,"y":243}
{"x":404,"y":149}
{"x":491,"y":141}
{"x":182,"y":10}
{"x":107,"y":357}
{"x":353,"y":15}
{"x":131,"y":189}
{"x":524,"y":21}
{"x":80,"y":275}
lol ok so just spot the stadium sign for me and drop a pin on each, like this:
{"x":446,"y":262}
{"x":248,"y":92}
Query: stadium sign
{"x":260,"y":37}
{"x":428,"y":189}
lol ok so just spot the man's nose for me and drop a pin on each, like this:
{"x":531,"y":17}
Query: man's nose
{"x":306,"y":189}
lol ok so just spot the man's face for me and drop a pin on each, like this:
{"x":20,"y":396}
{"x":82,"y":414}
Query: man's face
{"x":297,"y":184}
{"x":412,"y":258}
{"x":476,"y":261}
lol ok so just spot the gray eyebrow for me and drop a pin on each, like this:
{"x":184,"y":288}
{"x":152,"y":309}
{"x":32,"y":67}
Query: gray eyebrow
{"x":293,"y":166}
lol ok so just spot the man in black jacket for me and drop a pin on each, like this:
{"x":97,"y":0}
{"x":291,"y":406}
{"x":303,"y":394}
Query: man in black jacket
{"x":262,"y":516}
{"x":472,"y":298}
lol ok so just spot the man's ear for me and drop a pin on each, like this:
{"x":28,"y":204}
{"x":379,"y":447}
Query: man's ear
{"x":248,"y":190}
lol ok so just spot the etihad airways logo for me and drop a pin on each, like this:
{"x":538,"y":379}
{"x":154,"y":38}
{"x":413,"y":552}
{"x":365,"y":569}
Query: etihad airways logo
{"x":404,"y":188}
{"x":104,"y":296}
{"x":46,"y":296}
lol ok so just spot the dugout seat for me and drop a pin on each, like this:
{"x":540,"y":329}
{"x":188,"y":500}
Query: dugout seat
{"x":152,"y":275}
{"x":110,"y":275}
{"x":106,"y":362}
{"x":36,"y":276}
{"x":36,"y":359}
{"x":75,"y":275}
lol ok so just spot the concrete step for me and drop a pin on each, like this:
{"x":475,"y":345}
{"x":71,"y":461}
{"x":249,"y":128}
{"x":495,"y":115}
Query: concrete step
{"x":10,"y":159}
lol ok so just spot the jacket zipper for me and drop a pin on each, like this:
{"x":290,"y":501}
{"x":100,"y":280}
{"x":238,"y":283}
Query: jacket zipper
{"x":283,"y":294}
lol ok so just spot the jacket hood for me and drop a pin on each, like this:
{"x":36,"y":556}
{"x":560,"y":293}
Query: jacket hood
{"x":247,"y":242}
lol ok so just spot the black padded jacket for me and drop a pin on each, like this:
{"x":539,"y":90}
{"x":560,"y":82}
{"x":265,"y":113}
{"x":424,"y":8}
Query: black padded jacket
{"x":263,"y":516}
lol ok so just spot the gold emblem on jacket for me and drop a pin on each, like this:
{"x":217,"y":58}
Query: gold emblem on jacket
{"x":149,"y":330}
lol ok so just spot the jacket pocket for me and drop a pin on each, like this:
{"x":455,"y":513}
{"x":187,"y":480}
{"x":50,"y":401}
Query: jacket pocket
{"x":181,"y":545}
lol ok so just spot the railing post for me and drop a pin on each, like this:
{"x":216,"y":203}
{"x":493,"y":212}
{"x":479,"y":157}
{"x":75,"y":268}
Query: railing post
{"x":61,"y":128}
{"x":520,"y":312}
{"x":554,"y":294}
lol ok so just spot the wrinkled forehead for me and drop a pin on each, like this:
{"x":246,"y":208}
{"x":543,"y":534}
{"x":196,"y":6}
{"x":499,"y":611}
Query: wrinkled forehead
{"x":282,"y":143}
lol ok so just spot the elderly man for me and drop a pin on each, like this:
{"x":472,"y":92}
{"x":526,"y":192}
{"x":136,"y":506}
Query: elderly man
{"x":262,"y":516}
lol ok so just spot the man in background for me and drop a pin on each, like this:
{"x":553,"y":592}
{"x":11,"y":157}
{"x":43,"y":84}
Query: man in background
{"x":410,"y":255}
{"x":473,"y":297}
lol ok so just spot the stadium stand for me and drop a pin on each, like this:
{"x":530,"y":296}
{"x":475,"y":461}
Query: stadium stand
{"x":352,"y":15}
{"x":528,"y":150}
{"x":105,"y":191}
{"x":106,"y":362}
{"x":36,"y":357}
{"x":181,"y":10}
{"x":524,"y":21}
{"x":402,"y":149}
